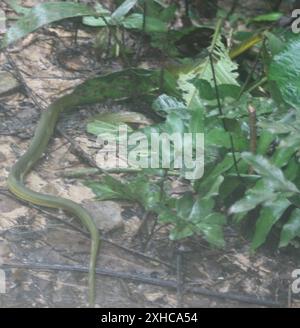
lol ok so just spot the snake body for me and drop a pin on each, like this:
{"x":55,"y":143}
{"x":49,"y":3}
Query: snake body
{"x":116,"y":85}
{"x":19,"y":170}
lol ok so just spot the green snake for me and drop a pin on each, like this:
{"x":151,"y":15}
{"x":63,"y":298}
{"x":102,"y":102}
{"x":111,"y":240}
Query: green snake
{"x":117,"y":85}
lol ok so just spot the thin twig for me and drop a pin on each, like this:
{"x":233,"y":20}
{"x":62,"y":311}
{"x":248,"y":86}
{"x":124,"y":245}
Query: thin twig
{"x":244,"y":87}
{"x":179,"y":277}
{"x":222,"y":116}
{"x":151,"y":234}
{"x":252,"y":125}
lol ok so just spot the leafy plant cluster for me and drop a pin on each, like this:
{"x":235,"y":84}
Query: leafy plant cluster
{"x":251,"y":165}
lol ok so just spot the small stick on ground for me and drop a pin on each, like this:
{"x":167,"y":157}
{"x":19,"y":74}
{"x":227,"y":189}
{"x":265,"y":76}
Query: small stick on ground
{"x":179,"y":277}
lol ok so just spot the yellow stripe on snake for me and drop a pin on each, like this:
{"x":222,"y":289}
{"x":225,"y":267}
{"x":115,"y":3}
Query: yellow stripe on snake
{"x":118,"y":85}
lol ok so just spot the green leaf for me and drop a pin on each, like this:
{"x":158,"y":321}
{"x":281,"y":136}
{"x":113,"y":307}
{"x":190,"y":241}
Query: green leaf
{"x":167,"y":216}
{"x":219,"y":137}
{"x":196,"y":217}
{"x":269,"y":215}
{"x":214,"y":190}
{"x":213,"y":233}
{"x":275,"y":43}
{"x":291,"y":229}
{"x":204,"y":185}
{"x":42,"y":14}
{"x":283,"y":154}
{"x":200,"y":210}
{"x":292,"y":169}
{"x":95,"y":21}
{"x":197,"y":121}
{"x":184,"y":206}
{"x":264,"y":142}
{"x":108,"y":188}
{"x":208,"y":92}
{"x":270,"y":172}
{"x":285,"y":70}
{"x":144,"y":191}
{"x":255,"y":196}
{"x":271,"y":17}
{"x":181,"y":232}
{"x":153,"y":25}
{"x":123,"y":10}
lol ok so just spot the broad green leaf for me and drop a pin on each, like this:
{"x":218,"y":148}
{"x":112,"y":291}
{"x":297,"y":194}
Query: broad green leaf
{"x":253,"y":197}
{"x":196,"y":217}
{"x":98,"y":21}
{"x":285,"y":70}
{"x":291,"y":229}
{"x":181,"y":232}
{"x":276,"y":45}
{"x":208,"y":92}
{"x":291,"y":171}
{"x":268,"y":216}
{"x":275,"y":128}
{"x":214,"y":218}
{"x":283,"y":154}
{"x":145,"y":192}
{"x":135,"y":21}
{"x":42,"y":14}
{"x":219,"y":137}
{"x":184,"y":206}
{"x":203,"y":186}
{"x":201,"y":208}
{"x":95,"y":21}
{"x":123,"y":10}
{"x":270,"y":172}
{"x":197,"y":121}
{"x":213,"y":233}
{"x":264,"y":142}
{"x":214,"y":190}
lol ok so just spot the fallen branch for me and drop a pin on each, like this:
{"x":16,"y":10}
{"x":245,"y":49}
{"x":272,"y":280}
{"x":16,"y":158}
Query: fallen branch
{"x":138,"y":278}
